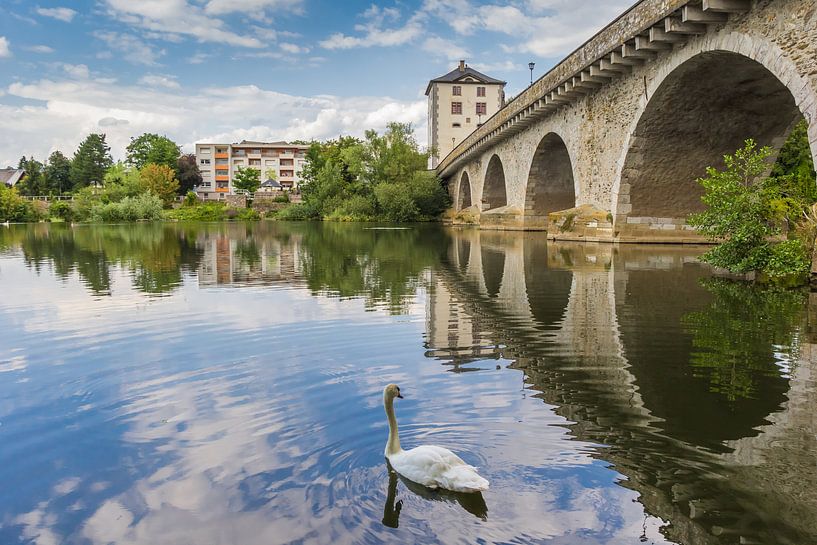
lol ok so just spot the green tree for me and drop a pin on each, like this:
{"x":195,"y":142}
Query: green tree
{"x":741,"y":213}
{"x":160,"y":180}
{"x":187,"y":170}
{"x":248,"y":179}
{"x":152,"y":148}
{"x":91,"y":160}
{"x":121,"y":181}
{"x":33,"y":182}
{"x":58,"y":172}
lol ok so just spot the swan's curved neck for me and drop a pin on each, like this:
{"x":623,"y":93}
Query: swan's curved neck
{"x":393,"y":446}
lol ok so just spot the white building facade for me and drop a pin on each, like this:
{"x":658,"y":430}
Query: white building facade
{"x":219,"y":163}
{"x":458,"y":103}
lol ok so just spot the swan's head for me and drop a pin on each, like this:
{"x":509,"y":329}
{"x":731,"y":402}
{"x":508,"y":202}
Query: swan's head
{"x":391,"y":391}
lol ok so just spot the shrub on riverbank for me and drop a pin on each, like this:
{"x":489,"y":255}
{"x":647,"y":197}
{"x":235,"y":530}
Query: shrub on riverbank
{"x":211,"y":211}
{"x":747,"y":214}
{"x":144,"y":207}
{"x":13,"y":207}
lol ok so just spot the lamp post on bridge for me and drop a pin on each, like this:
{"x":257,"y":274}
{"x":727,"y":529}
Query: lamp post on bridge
{"x":530,"y":67}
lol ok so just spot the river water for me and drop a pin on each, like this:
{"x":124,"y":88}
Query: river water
{"x":221,"y":384}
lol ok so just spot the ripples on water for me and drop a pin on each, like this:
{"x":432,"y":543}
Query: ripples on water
{"x":222,"y":384}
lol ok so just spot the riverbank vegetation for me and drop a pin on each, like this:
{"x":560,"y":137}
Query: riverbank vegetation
{"x":381,"y":177}
{"x":765,"y":223}
{"x":153,"y":174}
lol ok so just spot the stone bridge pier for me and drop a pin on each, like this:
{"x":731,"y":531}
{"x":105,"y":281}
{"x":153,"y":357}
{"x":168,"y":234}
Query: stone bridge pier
{"x":609,"y":144}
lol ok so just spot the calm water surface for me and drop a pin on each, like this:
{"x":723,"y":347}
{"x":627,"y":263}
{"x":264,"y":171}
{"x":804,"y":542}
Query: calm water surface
{"x":221,"y":384}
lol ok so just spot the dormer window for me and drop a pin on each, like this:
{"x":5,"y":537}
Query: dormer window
{"x":457,"y":90}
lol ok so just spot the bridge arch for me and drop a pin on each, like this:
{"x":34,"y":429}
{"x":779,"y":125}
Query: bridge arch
{"x":463,"y":199}
{"x":551,"y":185}
{"x":698,"y":108}
{"x":494,"y":191}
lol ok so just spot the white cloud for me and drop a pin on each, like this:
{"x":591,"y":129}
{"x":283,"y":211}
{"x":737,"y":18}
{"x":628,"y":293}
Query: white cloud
{"x":159,"y":80}
{"x":219,"y":7}
{"x":545,"y":28}
{"x":178,"y":17}
{"x":76,"y":71}
{"x":376,"y":34}
{"x":58,"y":114}
{"x":62,"y":14}
{"x":5,"y":50}
{"x":293,"y":48}
{"x":132,"y":48}
{"x":39,"y":49}
{"x":447,"y":49}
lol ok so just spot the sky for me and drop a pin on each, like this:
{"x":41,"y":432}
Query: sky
{"x":228,"y":70}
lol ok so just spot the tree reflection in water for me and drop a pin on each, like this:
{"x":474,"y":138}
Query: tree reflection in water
{"x":742,"y":322}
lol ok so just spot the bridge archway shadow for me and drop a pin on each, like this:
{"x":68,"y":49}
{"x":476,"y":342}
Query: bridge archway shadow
{"x":705,"y":108}
{"x":464,"y":192}
{"x":494,"y":193}
{"x":550,"y":186}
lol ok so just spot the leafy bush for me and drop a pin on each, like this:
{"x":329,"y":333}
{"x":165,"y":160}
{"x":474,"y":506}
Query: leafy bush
{"x":298,"y":212}
{"x":428,"y":194}
{"x":247,"y":214}
{"x":142,"y":207}
{"x":15,"y":208}
{"x":206,"y":211}
{"x":396,"y":203}
{"x":284,"y":197}
{"x":744,"y":212}
{"x":61,"y":210}
{"x":191,"y":199}
{"x":355,"y":208}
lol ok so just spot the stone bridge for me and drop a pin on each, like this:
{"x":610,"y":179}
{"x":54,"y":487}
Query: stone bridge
{"x":618,"y":132}
{"x":576,"y":318}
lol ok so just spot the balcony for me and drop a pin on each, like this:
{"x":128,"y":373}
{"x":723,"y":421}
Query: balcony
{"x":222,"y":190}
{"x":222,"y":177}
{"x":222,"y":155}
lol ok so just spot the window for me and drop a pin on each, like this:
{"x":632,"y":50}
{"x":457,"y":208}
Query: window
{"x":480,"y":91}
{"x":255,"y":162}
{"x":457,"y":90}
{"x":205,"y":161}
{"x":269,"y":163}
{"x":456,"y":107}
{"x":204,"y":151}
{"x":482,"y":108}
{"x":456,"y":125}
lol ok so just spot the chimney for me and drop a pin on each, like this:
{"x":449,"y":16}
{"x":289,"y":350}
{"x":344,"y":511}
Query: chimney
{"x":462,"y":66}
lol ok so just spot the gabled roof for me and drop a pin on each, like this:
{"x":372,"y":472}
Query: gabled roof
{"x":270,"y":183}
{"x":464,"y":74}
{"x":10,"y":176}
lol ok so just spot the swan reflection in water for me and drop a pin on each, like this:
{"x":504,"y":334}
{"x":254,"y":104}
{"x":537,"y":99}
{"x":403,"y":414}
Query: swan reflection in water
{"x":473,"y":502}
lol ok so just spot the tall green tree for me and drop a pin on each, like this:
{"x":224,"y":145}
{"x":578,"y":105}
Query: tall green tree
{"x":91,"y":160}
{"x":58,"y":172}
{"x":188,"y":173}
{"x":33,"y":182}
{"x":248,"y":179}
{"x":152,"y":148}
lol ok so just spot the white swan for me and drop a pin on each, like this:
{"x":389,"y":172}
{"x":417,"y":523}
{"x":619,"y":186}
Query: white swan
{"x":428,"y":465}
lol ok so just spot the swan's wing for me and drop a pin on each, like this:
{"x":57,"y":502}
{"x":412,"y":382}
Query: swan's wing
{"x":435,"y":466}
{"x":463,"y":478}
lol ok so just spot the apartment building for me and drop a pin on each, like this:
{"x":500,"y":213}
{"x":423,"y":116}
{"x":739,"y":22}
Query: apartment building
{"x":458,"y":103}
{"x":219,"y":163}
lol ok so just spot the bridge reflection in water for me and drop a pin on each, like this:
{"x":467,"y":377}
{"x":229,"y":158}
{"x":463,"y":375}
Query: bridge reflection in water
{"x":688,"y":388}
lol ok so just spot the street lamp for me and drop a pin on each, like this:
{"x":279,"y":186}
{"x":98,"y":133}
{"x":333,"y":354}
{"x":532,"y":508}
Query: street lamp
{"x":530,"y":67}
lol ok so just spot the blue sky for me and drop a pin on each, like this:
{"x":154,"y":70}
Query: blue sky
{"x":257,"y":69}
